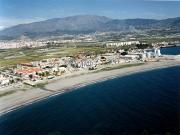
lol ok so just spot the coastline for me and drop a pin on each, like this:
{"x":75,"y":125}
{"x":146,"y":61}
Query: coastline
{"x":13,"y":102}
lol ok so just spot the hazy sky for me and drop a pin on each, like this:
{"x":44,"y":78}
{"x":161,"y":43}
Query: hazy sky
{"x":14,"y":12}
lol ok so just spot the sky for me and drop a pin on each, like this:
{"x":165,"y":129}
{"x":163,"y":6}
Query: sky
{"x":13,"y":12}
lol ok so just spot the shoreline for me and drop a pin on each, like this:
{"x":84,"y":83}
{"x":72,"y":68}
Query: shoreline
{"x":66,"y":85}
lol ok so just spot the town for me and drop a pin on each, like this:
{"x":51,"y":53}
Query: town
{"x":42,"y":71}
{"x":89,"y":67}
{"x":32,"y":62}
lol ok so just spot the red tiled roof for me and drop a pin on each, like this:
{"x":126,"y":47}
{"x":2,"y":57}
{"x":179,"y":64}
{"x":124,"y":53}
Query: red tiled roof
{"x":28,"y":70}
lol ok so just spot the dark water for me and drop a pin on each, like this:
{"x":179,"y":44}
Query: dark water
{"x":144,"y":103}
{"x":171,"y":50}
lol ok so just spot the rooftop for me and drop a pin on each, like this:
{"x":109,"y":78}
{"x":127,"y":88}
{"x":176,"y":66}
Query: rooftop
{"x":29,"y":70}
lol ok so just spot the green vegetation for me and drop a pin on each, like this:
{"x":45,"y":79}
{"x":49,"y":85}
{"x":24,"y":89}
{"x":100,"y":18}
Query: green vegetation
{"x":143,"y":46}
{"x":124,"y":53}
{"x":12,"y":57}
{"x":127,"y":47}
{"x":157,"y":39}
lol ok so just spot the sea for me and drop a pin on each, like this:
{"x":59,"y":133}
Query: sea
{"x":145,"y":103}
{"x":171,"y":50}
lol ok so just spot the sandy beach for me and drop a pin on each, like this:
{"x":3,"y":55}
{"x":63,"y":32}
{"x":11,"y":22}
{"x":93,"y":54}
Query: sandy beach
{"x":22,"y":98}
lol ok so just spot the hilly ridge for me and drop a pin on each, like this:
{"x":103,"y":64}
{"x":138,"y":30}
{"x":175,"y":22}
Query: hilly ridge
{"x":86,"y":24}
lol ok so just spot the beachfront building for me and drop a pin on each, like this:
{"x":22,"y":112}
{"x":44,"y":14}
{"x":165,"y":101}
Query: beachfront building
{"x":4,"y":80}
{"x":57,"y":70}
{"x":152,"y":53}
{"x":129,"y":57}
{"x":29,"y":72}
{"x":142,"y":56}
{"x":112,"y":58}
{"x":139,"y":54}
{"x":157,"y":52}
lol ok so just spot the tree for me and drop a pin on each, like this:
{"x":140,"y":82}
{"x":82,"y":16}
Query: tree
{"x":30,"y":76}
{"x":42,"y":74}
{"x":12,"y":81}
{"x":143,"y":46}
{"x":47,"y":73}
{"x":124,"y":53}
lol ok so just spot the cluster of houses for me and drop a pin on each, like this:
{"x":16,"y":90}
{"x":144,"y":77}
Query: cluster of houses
{"x":21,"y":44}
{"x":37,"y":71}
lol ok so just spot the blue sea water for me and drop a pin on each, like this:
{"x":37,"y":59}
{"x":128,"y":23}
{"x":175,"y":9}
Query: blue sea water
{"x":171,"y":50}
{"x":139,"y":104}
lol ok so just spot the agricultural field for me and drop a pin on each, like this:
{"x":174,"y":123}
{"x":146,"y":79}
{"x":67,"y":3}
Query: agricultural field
{"x":12,"y":57}
{"x":150,"y":40}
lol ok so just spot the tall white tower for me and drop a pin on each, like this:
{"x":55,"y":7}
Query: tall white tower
{"x":159,"y":52}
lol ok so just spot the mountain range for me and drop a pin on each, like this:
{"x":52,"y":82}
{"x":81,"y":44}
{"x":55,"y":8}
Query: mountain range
{"x":87,"y":24}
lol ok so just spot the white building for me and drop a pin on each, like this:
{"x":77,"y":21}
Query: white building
{"x":130,"y":57}
{"x":153,"y":53}
{"x":118,"y":44}
{"x":157,"y":52}
{"x":4,"y":80}
{"x":87,"y":63}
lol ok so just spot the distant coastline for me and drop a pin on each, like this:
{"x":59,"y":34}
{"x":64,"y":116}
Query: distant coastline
{"x":12,"y":102}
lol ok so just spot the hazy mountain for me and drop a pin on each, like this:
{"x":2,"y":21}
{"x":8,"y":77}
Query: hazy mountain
{"x":86,"y":24}
{"x":128,"y":23}
{"x":168,"y":23}
{"x":81,"y":23}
